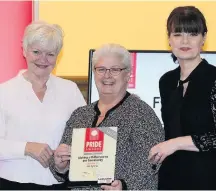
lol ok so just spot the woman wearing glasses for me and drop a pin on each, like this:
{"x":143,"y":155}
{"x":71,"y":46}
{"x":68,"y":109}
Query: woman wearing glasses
{"x":138,"y":126}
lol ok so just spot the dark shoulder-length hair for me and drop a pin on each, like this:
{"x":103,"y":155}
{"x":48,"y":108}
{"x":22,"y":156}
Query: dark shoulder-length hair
{"x":187,"y":19}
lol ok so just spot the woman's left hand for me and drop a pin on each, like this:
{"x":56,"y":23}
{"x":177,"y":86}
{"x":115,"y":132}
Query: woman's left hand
{"x":160,"y":151}
{"x":116,"y":185}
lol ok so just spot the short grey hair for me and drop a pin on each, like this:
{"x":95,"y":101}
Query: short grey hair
{"x":112,"y":49}
{"x":45,"y":33}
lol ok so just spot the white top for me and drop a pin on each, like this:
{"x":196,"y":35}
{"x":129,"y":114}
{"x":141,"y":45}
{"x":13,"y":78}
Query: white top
{"x":23,"y":118}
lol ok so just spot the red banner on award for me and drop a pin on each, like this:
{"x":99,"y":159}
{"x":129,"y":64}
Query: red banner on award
{"x":132,"y":82}
{"x":94,"y":140}
{"x":93,"y":155}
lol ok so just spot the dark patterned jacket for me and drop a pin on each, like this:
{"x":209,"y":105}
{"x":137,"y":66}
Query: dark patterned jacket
{"x":138,"y":130}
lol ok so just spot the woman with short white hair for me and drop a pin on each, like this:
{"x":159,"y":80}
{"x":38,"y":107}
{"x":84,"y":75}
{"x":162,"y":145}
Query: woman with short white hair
{"x":34,"y":108}
{"x":138,"y":126}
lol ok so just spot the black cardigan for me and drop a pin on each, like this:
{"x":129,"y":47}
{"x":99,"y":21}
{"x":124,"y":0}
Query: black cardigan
{"x":197,"y":118}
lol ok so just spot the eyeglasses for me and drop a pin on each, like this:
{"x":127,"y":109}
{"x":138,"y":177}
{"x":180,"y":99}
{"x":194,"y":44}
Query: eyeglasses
{"x":112,"y":71}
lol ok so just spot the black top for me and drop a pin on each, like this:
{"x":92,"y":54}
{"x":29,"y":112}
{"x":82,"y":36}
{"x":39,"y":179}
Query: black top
{"x":194,"y":115}
{"x":109,"y":111}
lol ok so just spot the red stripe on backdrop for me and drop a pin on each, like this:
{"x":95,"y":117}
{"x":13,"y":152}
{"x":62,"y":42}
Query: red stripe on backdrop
{"x":14,"y":17}
{"x":132,"y":82}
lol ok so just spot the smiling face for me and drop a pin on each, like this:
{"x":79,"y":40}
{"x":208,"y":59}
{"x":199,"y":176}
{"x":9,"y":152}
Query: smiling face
{"x":187,"y":29}
{"x":41,"y":59}
{"x":108,"y":84}
{"x":186,"y":46}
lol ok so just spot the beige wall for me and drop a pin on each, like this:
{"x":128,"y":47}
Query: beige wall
{"x":136,"y":25}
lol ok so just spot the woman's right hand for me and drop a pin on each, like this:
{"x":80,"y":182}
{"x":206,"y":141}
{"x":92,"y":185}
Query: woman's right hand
{"x":62,"y":157}
{"x":40,"y":152}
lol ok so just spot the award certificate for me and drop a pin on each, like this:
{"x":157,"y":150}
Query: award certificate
{"x":93,"y":152}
